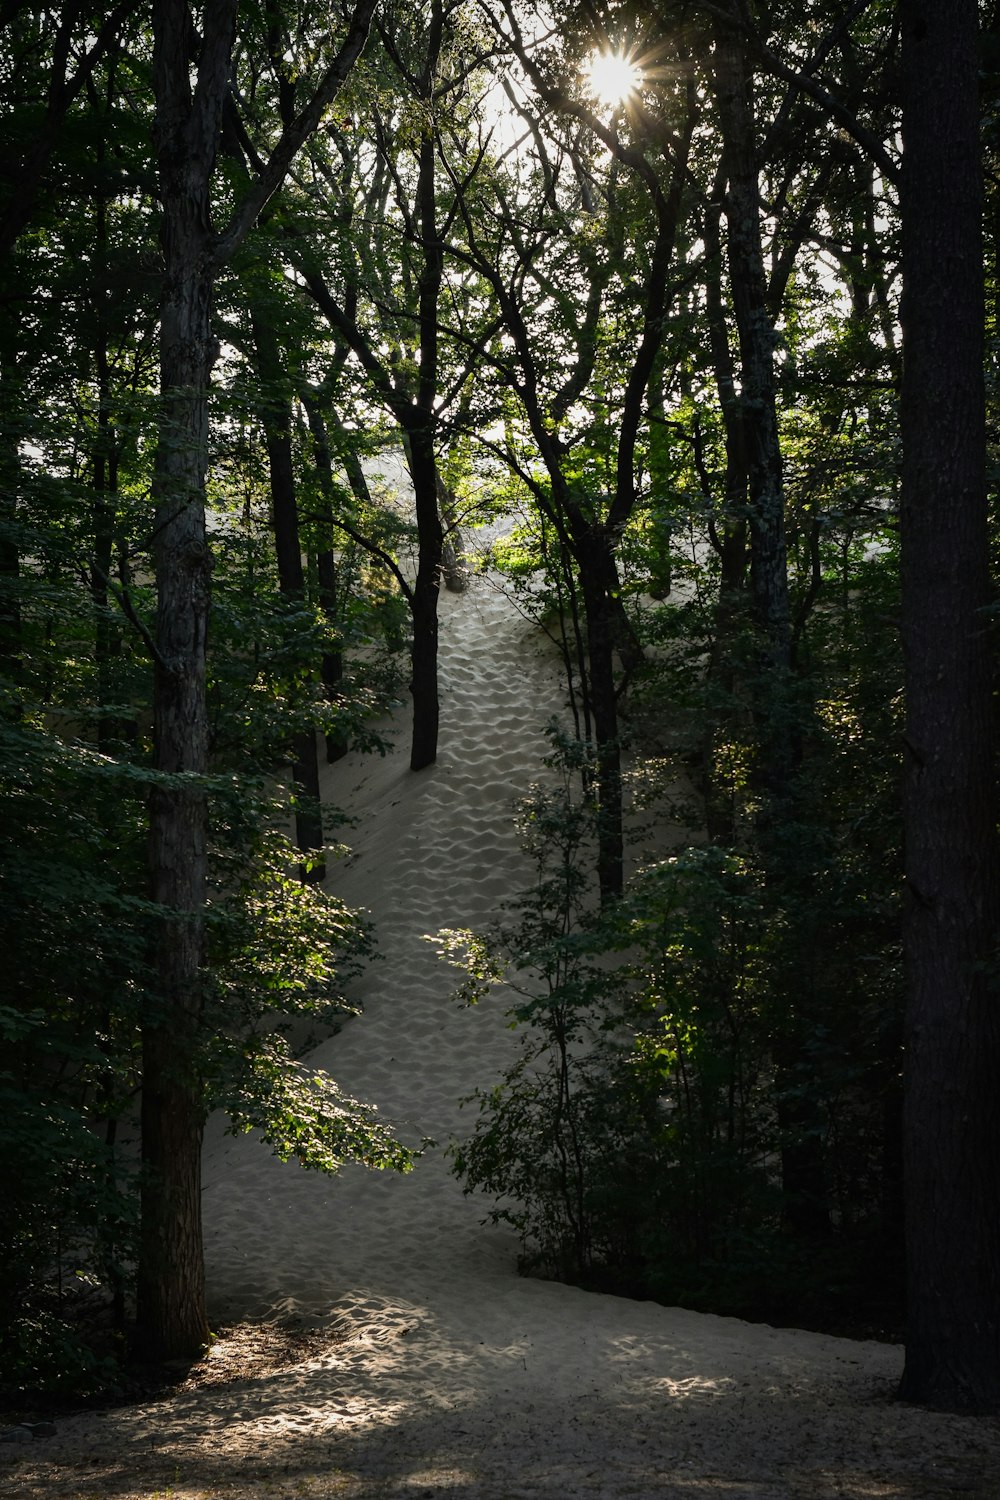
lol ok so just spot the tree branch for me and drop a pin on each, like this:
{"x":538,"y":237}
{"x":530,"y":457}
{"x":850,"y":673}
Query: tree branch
{"x":295,"y":134}
{"x":121,"y":595}
{"x":369,"y":546}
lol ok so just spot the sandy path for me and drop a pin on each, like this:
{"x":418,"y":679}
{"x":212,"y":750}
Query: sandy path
{"x":437,"y":1371}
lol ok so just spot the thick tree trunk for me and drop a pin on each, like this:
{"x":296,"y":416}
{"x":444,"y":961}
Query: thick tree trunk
{"x":170,"y":1290}
{"x":277,"y":417}
{"x":170,"y":1314}
{"x":171,"y":1293}
{"x":171,"y":1318}
{"x":952,"y":1029}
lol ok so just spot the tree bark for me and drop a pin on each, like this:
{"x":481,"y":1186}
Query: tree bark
{"x":730,"y":542}
{"x":277,"y":418}
{"x":952,"y":1028}
{"x":10,"y":555}
{"x":758,"y":407}
{"x":430,"y":535}
{"x":114,"y":731}
{"x":777,"y":732}
{"x":171,"y":1314}
{"x":420,"y":432}
{"x":332,"y":667}
{"x":416,"y":415}
{"x":171,"y":1318}
{"x":594,"y":562}
{"x":170,"y":1280}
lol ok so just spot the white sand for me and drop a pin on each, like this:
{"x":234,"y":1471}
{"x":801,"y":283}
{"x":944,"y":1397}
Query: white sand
{"x":437,"y":1370}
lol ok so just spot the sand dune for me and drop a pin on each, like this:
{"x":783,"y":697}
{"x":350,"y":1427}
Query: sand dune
{"x":432,"y":1368}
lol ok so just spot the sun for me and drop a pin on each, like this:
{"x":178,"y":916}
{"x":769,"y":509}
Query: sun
{"x":612,"y":77}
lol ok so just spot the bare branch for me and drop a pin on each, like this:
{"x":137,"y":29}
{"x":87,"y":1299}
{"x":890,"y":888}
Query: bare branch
{"x":122,"y":597}
{"x":294,"y":135}
{"x":369,"y":546}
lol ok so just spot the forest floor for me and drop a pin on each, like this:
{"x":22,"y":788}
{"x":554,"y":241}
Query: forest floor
{"x":380,"y":1344}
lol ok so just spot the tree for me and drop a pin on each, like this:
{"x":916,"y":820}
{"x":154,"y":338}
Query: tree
{"x":764,"y":169}
{"x":171,"y":1305}
{"x":952,"y":1106}
{"x":381,"y":287}
{"x":277,"y":420}
{"x":78,"y":43}
{"x":587,"y":224}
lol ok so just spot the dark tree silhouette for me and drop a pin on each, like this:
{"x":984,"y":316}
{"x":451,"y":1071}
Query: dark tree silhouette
{"x":952,"y":1103}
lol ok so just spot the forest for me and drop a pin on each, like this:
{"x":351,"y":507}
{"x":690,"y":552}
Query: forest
{"x":680,"y":321}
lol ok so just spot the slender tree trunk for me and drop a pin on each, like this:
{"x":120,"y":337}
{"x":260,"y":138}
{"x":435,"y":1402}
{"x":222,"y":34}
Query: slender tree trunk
{"x":557,"y":561}
{"x":332,"y":667}
{"x":597,"y":578}
{"x":454,"y":568}
{"x":420,"y":432}
{"x":758,"y":407}
{"x":610,"y":831}
{"x":10,"y":556}
{"x":277,"y":417}
{"x":114,"y":732}
{"x":417,"y":422}
{"x":332,"y":663}
{"x":424,"y":685}
{"x":778,"y":736}
{"x":730,"y":539}
{"x":661,"y":473}
{"x":952,"y":1028}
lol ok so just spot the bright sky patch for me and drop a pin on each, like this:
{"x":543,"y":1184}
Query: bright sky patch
{"x":612,"y":77}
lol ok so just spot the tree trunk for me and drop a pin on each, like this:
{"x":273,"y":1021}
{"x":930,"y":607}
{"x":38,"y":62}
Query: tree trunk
{"x":115,"y":732}
{"x":277,"y":418}
{"x":758,"y":409}
{"x":454,"y":568}
{"x":730,"y":541}
{"x":171,"y":1293}
{"x":332,"y":667}
{"x":171,"y":1318}
{"x":952,"y":1028}
{"x":420,"y":430}
{"x":424,"y":684}
{"x":661,"y":474}
{"x":10,"y":556}
{"x":597,"y":578}
{"x":777,"y":731}
{"x":170,"y":1279}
